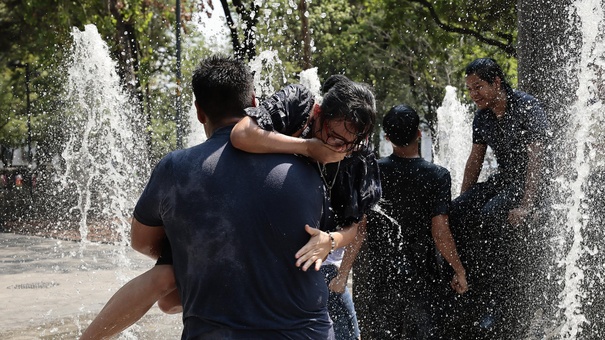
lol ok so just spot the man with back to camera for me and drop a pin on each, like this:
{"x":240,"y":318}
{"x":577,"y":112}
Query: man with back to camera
{"x":401,"y":239}
{"x":230,"y":220}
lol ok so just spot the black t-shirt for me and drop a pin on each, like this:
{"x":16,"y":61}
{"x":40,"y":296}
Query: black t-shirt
{"x":399,"y":230}
{"x":235,"y":221}
{"x":524,"y":122}
{"x":357,"y":183}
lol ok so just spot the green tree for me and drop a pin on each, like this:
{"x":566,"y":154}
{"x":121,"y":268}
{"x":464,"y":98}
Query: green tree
{"x":138,"y":32}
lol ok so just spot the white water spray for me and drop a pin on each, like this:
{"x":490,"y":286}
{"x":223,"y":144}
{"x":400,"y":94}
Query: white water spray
{"x":584,"y":115}
{"x":103,"y":156}
{"x":454,"y":136}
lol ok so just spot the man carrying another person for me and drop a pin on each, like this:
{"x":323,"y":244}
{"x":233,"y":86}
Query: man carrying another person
{"x":229,"y":218}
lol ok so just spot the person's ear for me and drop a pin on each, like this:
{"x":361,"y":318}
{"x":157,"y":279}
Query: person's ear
{"x":201,"y":115}
{"x":316,"y":111}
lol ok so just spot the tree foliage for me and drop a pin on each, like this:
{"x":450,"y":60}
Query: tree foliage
{"x":408,"y":50}
{"x":140,"y":35}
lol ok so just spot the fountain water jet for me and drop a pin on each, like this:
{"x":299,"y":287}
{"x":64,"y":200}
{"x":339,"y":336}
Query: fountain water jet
{"x":574,"y":296}
{"x":105,"y":153}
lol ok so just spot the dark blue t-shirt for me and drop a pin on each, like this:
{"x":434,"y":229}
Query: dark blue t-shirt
{"x":524,"y":122}
{"x":235,"y":221}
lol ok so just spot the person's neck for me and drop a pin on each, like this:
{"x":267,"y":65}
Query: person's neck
{"x":500,"y":105}
{"x":210,"y":127}
{"x":408,"y":151}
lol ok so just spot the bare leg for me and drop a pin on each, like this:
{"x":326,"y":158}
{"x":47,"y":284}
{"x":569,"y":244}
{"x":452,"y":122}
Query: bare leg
{"x":171,"y":303}
{"x":131,"y":302}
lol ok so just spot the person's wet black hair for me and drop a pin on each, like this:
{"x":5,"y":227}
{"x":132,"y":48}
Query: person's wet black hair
{"x":353,"y":102}
{"x":400,"y":124}
{"x":487,"y":69}
{"x":331,"y":81}
{"x":223,"y":86}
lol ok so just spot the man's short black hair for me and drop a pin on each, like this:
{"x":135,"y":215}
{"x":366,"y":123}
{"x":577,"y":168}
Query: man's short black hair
{"x":401,"y":124}
{"x":223,"y":87}
{"x":487,"y":69}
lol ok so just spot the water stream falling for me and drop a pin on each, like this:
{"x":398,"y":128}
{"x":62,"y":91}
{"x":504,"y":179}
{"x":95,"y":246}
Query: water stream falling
{"x":104,"y":156}
{"x":584,"y":136}
{"x":454,"y":136}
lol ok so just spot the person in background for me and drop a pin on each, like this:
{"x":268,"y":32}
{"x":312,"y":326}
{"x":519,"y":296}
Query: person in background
{"x":488,"y":218}
{"x":404,"y":237}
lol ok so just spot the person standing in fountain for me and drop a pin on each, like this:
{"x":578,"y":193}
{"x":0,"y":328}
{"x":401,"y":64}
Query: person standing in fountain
{"x":228,"y":216}
{"x":488,"y":217}
{"x":330,"y":144}
{"x":337,"y":132}
{"x":406,"y":289}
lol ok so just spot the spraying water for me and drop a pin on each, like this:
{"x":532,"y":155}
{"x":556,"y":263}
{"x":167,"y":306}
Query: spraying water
{"x":267,"y":69}
{"x":454,"y":136}
{"x":104,"y":155}
{"x":573,"y":298}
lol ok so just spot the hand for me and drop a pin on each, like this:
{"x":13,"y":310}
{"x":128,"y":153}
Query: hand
{"x":315,"y":251}
{"x":518,"y":216}
{"x":338,"y":284}
{"x":459,"y":283}
{"x":323,"y":153}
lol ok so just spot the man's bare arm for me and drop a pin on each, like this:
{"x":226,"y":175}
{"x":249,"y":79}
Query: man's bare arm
{"x":473,"y":166}
{"x":444,"y":241}
{"x":146,"y":240}
{"x":534,"y":164}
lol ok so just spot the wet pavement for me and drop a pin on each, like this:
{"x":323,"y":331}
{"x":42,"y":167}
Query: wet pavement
{"x":51,"y":289}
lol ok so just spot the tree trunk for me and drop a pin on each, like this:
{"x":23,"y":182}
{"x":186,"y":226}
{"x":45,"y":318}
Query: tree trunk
{"x":548,"y":49}
{"x":545,"y":37}
{"x":127,"y":55}
{"x":249,"y":16}
{"x":303,"y":8}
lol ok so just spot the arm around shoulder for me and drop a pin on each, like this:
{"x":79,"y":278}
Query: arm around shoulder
{"x":248,"y":136}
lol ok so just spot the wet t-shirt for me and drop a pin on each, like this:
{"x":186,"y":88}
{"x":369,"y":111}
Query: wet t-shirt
{"x":355,"y":181}
{"x":235,"y":221}
{"x":399,"y":229}
{"x":523,"y":123}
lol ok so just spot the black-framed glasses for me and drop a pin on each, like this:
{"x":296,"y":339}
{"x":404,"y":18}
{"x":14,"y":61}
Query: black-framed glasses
{"x":337,"y":141}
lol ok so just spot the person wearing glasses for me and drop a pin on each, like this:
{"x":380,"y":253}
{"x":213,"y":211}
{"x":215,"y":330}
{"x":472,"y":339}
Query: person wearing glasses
{"x":334,"y":134}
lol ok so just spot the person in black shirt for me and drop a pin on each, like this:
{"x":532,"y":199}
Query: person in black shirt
{"x":334,"y":133}
{"x":487,"y":218}
{"x":404,"y":234}
{"x":234,"y":221}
